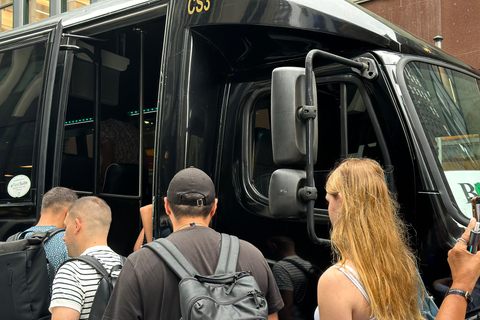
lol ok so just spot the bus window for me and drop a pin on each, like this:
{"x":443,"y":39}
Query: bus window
{"x":362,"y":141}
{"x":121,"y":145}
{"x":120,"y":170}
{"x":263,"y":165}
{"x":21,"y":73}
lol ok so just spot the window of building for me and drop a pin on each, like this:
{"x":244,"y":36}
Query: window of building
{"x":6,"y":15}
{"x":38,"y":10}
{"x":75,"y":4}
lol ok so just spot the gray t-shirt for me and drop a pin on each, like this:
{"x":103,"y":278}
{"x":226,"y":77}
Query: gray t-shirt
{"x":148,"y":289}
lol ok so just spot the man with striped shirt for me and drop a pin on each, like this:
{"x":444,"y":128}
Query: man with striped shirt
{"x":291,"y":280}
{"x":87,"y":224}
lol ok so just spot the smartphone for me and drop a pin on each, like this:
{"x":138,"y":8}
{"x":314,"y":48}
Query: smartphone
{"x":472,"y":245}
{"x":476,"y":207}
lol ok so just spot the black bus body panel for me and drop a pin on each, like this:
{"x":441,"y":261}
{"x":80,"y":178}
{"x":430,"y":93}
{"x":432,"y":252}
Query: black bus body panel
{"x":213,"y":67}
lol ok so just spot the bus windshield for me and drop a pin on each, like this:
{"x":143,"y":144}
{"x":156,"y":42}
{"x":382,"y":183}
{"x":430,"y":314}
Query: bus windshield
{"x":448,"y":105}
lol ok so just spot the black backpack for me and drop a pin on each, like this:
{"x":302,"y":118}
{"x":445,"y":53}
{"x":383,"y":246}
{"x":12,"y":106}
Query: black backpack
{"x":24,"y":278}
{"x":227,"y":294}
{"x":308,"y":302}
{"x":105,"y":284}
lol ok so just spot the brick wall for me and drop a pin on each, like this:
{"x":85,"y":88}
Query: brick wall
{"x":457,"y":21}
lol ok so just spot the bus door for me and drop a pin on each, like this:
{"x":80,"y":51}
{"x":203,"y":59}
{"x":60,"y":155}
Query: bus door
{"x":110,"y":118}
{"x":348,"y":126}
{"x":27,"y":74}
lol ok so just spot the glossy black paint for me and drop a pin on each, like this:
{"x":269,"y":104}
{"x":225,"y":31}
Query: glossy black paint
{"x":215,"y":60}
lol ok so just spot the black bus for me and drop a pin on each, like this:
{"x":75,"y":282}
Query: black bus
{"x":194,"y":78}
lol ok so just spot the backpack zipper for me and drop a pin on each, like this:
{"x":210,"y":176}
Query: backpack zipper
{"x":254,"y":293}
{"x":235,"y":278}
{"x":10,"y":275}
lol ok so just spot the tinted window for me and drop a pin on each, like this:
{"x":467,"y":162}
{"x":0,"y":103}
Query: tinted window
{"x":362,"y":141}
{"x":21,"y":77}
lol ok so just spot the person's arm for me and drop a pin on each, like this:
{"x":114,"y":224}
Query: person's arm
{"x":273,"y":316}
{"x":146,"y":213}
{"x":465,"y":268}
{"x":139,"y":242}
{"x":286,"y":312}
{"x":146,"y":232}
{"x":64,"y":313}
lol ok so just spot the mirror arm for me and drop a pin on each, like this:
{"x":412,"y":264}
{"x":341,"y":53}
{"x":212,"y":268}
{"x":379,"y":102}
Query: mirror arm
{"x":307,"y":112}
{"x":309,"y":192}
{"x":361,"y":65}
{"x":310,"y":183}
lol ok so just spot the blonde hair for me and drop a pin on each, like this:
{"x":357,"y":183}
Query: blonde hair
{"x":369,"y":233}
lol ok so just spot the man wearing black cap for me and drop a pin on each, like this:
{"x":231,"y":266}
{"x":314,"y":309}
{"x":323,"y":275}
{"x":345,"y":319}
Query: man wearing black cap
{"x":148,"y":289}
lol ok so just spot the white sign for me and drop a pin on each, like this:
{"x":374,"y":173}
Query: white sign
{"x":464,"y":184}
{"x":19,"y":186}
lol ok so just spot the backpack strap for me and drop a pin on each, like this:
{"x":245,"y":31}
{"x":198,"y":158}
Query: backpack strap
{"x":298,"y":265}
{"x":119,"y":266}
{"x":14,"y":236}
{"x":53,"y":232}
{"x":227,"y":262}
{"x":97,"y":265}
{"x":44,"y":235}
{"x":170,"y":254}
{"x":92,"y":261}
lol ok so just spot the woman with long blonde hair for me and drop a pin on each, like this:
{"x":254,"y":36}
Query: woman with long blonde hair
{"x":375,"y":275}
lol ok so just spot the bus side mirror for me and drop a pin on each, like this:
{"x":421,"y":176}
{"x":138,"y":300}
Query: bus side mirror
{"x":288,"y":129}
{"x":284,"y":201}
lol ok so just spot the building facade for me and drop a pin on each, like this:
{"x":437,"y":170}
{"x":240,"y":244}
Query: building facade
{"x":454,"y":20}
{"x":15,"y":13}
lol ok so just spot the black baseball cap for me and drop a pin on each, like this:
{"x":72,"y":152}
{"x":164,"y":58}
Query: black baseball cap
{"x":191,"y":187}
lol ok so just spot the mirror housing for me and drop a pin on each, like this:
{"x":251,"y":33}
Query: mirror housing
{"x":288,"y":129}
{"x":284,"y":201}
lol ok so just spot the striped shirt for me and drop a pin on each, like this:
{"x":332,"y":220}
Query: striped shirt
{"x":76,"y":282}
{"x":291,"y":278}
